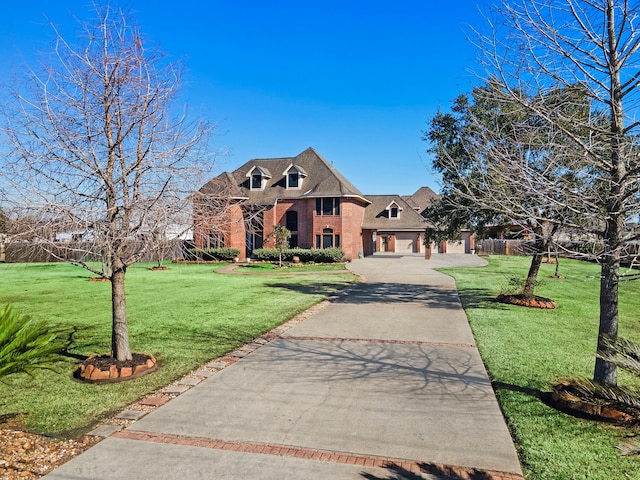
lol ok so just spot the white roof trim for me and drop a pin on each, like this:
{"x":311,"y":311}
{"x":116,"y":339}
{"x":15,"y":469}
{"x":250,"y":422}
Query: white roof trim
{"x":388,"y":207}
{"x":262,"y":172}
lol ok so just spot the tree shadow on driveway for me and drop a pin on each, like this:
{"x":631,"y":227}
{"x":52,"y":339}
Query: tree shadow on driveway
{"x":387,"y":293}
{"x":456,"y":371}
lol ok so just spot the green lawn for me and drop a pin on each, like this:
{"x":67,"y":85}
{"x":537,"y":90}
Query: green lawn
{"x":184,"y":316}
{"x":526,"y":350}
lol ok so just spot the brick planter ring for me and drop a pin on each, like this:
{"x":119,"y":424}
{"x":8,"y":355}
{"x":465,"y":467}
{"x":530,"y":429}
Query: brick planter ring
{"x":107,"y":370}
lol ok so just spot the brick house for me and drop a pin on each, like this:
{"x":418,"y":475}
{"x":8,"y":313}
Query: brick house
{"x":305,"y":193}
{"x":315,"y":202}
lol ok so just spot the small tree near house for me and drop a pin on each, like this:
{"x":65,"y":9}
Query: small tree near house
{"x":280,"y":235}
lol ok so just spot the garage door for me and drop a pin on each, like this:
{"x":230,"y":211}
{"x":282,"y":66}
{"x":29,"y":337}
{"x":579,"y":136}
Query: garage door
{"x":456,"y":246}
{"x":406,"y":242}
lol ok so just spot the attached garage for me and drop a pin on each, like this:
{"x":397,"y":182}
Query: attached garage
{"x":407,"y":242}
{"x":391,"y":225}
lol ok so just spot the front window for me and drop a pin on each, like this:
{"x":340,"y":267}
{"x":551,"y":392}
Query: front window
{"x":291,"y":221}
{"x":328,"y":206}
{"x":393,"y":212}
{"x":215,"y":239}
{"x":327,"y":239}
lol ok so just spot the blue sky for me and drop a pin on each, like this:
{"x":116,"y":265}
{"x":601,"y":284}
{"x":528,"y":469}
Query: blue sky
{"x":356,"y":80}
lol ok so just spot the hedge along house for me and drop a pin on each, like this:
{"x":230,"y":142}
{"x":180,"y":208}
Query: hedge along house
{"x":305,"y":193}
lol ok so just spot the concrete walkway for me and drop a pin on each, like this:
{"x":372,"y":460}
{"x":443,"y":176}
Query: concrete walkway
{"x":383,"y":382}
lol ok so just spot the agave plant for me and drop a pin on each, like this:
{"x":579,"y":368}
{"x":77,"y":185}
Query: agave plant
{"x":623,"y":353}
{"x":626,"y":355}
{"x":26,"y":344}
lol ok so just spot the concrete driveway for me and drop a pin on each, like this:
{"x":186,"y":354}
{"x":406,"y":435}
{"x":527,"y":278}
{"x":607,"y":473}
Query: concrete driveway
{"x":384,"y":382}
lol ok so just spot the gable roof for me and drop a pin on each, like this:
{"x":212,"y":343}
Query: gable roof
{"x":261,"y":171}
{"x":376,"y":216}
{"x":321,"y":180}
{"x":421,"y":199}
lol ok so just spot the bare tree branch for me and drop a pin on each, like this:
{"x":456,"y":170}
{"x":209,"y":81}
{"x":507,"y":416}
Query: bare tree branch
{"x":99,"y":152}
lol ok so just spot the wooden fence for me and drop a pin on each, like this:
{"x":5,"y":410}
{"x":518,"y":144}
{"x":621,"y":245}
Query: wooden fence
{"x":33,"y":252}
{"x":491,"y":246}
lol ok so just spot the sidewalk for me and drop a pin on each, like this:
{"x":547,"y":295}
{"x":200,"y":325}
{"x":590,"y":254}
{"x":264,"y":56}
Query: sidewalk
{"x":383,"y":383}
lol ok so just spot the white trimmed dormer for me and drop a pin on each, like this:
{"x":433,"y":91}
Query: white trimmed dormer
{"x":294,"y":176}
{"x":393,"y":210}
{"x":258,"y":178}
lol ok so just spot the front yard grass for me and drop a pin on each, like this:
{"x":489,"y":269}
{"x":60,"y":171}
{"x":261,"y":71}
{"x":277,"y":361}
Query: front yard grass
{"x":526,"y":350}
{"x":184,"y":316}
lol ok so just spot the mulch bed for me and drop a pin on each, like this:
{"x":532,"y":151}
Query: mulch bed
{"x":567,"y":398}
{"x":104,"y":368}
{"x":531,"y":302}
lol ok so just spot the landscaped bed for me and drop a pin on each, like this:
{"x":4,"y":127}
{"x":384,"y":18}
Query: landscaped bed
{"x":527,"y":350}
{"x":184,"y":317}
{"x":291,"y":267}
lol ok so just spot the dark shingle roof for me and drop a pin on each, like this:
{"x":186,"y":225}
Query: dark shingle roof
{"x":321,"y":179}
{"x":224,"y":184}
{"x":422,"y":199}
{"x":376,"y":215}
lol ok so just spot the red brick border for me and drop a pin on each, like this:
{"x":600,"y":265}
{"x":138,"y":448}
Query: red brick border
{"x":347,"y":458}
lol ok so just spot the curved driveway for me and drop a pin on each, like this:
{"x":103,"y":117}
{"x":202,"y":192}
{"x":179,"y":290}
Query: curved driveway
{"x":384,"y":382}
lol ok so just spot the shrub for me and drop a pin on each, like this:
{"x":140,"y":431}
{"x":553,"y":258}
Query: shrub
{"x":212,"y":254}
{"x":328,"y":255}
{"x":516,"y":285}
{"x":26,"y":344}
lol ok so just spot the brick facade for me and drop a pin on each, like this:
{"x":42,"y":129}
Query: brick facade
{"x":311,"y":187}
{"x":311,"y":226}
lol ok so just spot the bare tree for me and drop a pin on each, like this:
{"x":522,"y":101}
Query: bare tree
{"x":538,"y":46}
{"x":218,"y":212}
{"x":99,"y":146}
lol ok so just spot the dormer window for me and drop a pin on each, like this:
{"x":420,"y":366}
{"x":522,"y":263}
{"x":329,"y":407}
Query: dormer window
{"x":256,"y":181}
{"x":294,"y":177}
{"x":258,"y":178}
{"x":393,"y":210}
{"x":293,"y":180}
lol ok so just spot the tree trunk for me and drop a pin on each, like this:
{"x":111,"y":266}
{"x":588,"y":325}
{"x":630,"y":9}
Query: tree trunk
{"x":120,"y":349}
{"x":532,"y":276}
{"x":543,"y":243}
{"x":605,"y":372}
